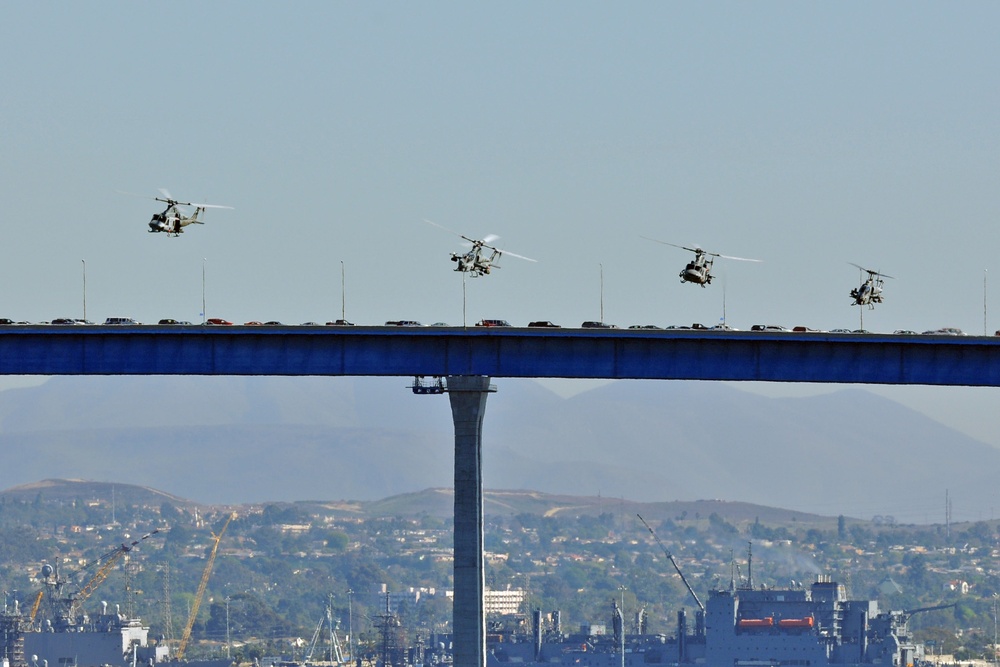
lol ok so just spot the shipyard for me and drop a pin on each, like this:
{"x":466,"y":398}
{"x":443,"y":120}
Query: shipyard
{"x":587,"y":588}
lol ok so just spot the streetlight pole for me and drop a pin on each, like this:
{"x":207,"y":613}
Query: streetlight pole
{"x":350,"y":623}
{"x":229,"y":644}
{"x":984,"y":302}
{"x":204,"y":311}
{"x":84,"y":289}
{"x":602,"y":291}
{"x":994,"y":629}
{"x":621,"y":612}
{"x":343,"y":293}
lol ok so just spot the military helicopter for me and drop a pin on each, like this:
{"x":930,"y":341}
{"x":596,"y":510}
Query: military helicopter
{"x":475,"y":261}
{"x":699,"y":270}
{"x":173,"y":220}
{"x":870,"y":291}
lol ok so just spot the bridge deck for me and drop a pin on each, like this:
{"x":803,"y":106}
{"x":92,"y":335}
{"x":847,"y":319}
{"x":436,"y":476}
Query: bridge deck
{"x":500,"y":352}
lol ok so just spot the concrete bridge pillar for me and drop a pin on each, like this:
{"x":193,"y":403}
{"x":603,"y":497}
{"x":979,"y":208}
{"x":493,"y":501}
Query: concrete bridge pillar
{"x":467,"y":394}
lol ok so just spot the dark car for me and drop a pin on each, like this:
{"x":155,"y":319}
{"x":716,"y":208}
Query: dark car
{"x":168,"y":321}
{"x":273,"y":323}
{"x":591,"y":324}
{"x":543,"y":323}
{"x":403,"y":323}
{"x":341,"y":323}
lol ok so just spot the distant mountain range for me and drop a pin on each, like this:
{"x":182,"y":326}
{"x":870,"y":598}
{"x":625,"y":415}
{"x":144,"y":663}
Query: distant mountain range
{"x":253,"y":439}
{"x":440,"y":503}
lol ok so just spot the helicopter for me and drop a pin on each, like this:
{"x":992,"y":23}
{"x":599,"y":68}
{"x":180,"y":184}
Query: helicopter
{"x":172,"y":220}
{"x":475,"y":261}
{"x":870,"y":291}
{"x":699,"y":270}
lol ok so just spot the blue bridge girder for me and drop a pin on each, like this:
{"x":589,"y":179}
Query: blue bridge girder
{"x":500,"y":353}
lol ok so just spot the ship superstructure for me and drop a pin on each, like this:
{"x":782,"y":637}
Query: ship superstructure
{"x":743,"y":626}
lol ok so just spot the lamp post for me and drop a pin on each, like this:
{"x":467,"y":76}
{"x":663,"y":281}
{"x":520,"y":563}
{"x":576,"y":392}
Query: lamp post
{"x":621,"y":612}
{"x":602,"y":292}
{"x":350,"y":623}
{"x":994,"y":661}
{"x":343,"y":293}
{"x":204,"y":311}
{"x":84,"y":289}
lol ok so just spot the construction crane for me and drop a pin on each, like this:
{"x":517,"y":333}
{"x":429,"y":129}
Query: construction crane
{"x":674,"y":563}
{"x":201,"y":589}
{"x":37,"y":604}
{"x":69,"y":606}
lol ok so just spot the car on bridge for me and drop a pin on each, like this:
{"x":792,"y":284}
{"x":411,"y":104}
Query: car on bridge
{"x":946,"y":331}
{"x":120,"y":321}
{"x":403,"y":323}
{"x":492,"y":323}
{"x":544,"y":324}
{"x":341,"y":323}
{"x":593,"y":324}
{"x":217,"y":322}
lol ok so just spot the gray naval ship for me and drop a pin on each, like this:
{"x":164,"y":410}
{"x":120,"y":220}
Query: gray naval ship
{"x":746,"y":626}
{"x":105,"y":639}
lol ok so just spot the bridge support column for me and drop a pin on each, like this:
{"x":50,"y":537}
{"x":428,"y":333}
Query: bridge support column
{"x":468,"y":407}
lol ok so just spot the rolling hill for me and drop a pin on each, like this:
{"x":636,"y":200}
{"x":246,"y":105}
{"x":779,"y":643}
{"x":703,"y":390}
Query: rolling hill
{"x":251,"y":439}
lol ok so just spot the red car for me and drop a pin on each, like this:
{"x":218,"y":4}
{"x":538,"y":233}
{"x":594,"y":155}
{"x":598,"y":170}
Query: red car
{"x":218,"y":321}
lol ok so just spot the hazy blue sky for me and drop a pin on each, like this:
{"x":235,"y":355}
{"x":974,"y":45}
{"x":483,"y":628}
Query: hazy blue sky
{"x":808,"y":135}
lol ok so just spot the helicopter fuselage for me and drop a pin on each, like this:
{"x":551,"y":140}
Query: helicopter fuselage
{"x":172,"y":222}
{"x":698,"y":271}
{"x":473,"y":262}
{"x":868,"y":294}
{"x":164,"y":222}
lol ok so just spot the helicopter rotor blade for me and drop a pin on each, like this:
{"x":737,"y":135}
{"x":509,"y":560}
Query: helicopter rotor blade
{"x":870,"y":271}
{"x":166,"y":194}
{"x":741,"y":259}
{"x":208,"y":206}
{"x":479,"y":243}
{"x":695,"y":249}
{"x":452,"y":231}
{"x":511,"y":254}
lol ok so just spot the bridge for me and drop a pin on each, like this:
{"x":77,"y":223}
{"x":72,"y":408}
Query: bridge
{"x":500,"y":352}
{"x":469,"y":357}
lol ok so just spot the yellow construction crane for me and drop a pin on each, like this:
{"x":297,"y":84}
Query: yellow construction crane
{"x":110,"y":559}
{"x":66,"y":608}
{"x":201,"y":589}
{"x":37,"y":604}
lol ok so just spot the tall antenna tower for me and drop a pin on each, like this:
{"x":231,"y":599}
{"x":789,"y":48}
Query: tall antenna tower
{"x":168,"y":620}
{"x":947,"y":514}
